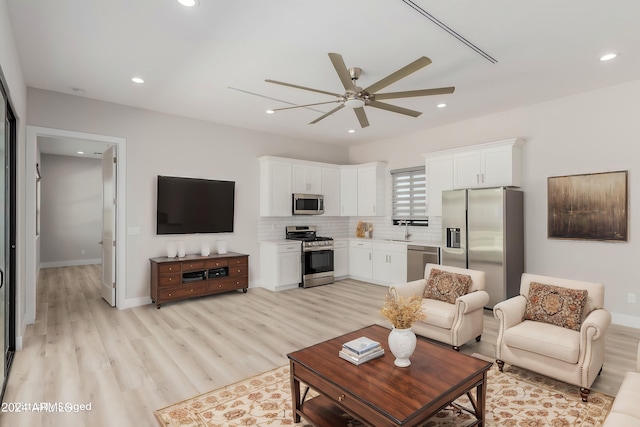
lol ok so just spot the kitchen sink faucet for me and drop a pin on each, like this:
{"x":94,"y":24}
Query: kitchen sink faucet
{"x":406,"y":228}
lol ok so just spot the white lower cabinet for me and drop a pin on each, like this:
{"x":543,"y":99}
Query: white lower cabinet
{"x":280,"y":265}
{"x":389,"y":263}
{"x":383,"y":263}
{"x":340,"y":257}
{"x":360,"y":260}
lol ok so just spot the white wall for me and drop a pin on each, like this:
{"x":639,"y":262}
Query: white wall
{"x":161,"y":144}
{"x":71,"y":210}
{"x":12,"y":70}
{"x":596,"y":131}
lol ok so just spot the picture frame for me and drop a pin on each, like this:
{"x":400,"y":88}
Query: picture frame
{"x":590,"y":206}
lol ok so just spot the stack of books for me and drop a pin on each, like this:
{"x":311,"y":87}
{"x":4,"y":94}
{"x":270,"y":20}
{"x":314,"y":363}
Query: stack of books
{"x":360,"y":350}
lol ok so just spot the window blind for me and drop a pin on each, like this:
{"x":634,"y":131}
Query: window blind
{"x":409,"y":196}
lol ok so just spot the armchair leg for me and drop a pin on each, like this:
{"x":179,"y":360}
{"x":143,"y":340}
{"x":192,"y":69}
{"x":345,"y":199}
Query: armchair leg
{"x":584,"y":393}
{"x":455,"y":347}
{"x":478,"y":338}
{"x":500,"y":364}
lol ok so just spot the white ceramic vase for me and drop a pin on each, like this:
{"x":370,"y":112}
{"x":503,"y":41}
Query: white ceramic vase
{"x":221,"y":246}
{"x":402,"y":343}
{"x":181,"y":249}
{"x":205,"y":249}
{"x":172,"y":249}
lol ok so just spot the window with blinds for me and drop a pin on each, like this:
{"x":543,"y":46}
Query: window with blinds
{"x":409,"y":196}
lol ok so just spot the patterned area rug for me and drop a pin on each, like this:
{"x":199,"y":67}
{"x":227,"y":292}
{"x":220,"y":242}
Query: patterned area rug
{"x":514,"y":398}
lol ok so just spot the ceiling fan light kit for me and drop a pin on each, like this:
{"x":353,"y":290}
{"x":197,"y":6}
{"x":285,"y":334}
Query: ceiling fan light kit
{"x":357,"y":98}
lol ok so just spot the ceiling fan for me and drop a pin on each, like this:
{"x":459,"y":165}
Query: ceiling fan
{"x":357,"y":98}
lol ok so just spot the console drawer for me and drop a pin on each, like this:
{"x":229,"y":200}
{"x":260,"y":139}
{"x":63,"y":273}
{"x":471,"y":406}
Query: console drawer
{"x":169,"y":267}
{"x":170,"y":279}
{"x":224,"y":285}
{"x":215,"y":263}
{"x":238,"y":261}
{"x":182,"y":291}
{"x":193,"y":265}
{"x":238,"y":270}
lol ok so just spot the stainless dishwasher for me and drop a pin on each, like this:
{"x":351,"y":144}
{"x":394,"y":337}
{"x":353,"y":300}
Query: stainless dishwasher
{"x":417,"y":257}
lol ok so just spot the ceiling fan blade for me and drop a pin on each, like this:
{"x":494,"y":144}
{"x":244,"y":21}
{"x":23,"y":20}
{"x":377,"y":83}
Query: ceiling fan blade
{"x":343,"y":72}
{"x":327,"y":114}
{"x":412,"y":93}
{"x":394,"y":108}
{"x":306,"y":105}
{"x":362,"y":117}
{"x":302,"y":87}
{"x":401,"y":73}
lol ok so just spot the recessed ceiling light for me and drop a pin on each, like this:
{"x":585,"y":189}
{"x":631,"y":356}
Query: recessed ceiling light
{"x":351,"y":131}
{"x":608,"y":57}
{"x":441,"y":105}
{"x":137,"y":80}
{"x":270,"y":112}
{"x":188,"y":3}
{"x":80,"y":152}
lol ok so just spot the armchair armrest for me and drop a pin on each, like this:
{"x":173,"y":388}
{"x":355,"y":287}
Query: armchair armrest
{"x":472,"y":301}
{"x":510,"y":312}
{"x":595,"y":324}
{"x":409,"y":289}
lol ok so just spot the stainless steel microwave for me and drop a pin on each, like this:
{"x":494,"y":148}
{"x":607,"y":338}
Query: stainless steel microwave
{"x":307,"y":204}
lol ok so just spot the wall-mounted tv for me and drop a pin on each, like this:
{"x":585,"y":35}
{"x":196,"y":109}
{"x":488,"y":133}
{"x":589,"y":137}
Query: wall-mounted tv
{"x":192,"y":205}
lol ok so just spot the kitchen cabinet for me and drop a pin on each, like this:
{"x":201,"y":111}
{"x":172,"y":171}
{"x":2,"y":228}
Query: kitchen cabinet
{"x":389,"y":263}
{"x":371,"y":189}
{"x":439,"y":171}
{"x":363,"y":189}
{"x":280,"y":264}
{"x":360,"y":260}
{"x":348,"y":191}
{"x":307,"y":179}
{"x":340,"y":258}
{"x":275,"y":187}
{"x":331,"y":191}
{"x":496,"y":164}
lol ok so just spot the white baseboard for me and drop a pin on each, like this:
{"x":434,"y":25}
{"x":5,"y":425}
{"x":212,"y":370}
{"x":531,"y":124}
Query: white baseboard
{"x":625,"y":320}
{"x":70,"y":263}
{"x":135,"y":302}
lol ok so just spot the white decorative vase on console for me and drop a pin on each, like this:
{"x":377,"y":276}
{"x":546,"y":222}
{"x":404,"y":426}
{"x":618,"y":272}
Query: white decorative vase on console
{"x":221,"y":246}
{"x":172,"y":249}
{"x":205,"y":249}
{"x":402,"y":343}
{"x":181,"y":249}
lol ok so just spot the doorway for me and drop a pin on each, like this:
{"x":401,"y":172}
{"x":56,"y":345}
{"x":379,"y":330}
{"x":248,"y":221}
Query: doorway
{"x":67,"y":139}
{"x":8,"y":235}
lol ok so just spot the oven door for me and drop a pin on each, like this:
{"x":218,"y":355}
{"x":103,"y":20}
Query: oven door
{"x":317,"y":268}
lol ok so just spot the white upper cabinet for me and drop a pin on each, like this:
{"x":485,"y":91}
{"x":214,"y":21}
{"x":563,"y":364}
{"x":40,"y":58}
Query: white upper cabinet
{"x":371,"y":189}
{"x":331,"y":191}
{"x":348,"y":191}
{"x":307,"y":179}
{"x":275,"y":187}
{"x":439,"y":171}
{"x":497,"y":164}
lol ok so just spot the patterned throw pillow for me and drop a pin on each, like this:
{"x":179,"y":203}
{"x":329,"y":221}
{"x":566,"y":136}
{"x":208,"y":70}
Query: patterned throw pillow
{"x":556,"y":305}
{"x":446,"y":286}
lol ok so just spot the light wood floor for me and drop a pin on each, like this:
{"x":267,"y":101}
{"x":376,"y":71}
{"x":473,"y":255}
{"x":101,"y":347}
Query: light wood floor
{"x":129,"y":363}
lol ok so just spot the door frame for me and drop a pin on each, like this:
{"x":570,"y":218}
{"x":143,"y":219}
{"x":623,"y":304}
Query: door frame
{"x":32,"y":256}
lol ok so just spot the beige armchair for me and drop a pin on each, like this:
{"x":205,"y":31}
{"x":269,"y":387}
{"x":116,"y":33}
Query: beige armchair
{"x":451,"y":323}
{"x":546,"y":332}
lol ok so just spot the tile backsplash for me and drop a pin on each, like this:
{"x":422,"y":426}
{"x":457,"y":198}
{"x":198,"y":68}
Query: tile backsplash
{"x":273,"y":228}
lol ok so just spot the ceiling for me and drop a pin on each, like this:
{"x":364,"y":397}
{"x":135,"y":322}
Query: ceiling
{"x":210,"y":62}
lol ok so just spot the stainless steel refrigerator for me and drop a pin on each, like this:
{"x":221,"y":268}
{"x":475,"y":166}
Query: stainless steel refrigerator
{"x":483,"y":229}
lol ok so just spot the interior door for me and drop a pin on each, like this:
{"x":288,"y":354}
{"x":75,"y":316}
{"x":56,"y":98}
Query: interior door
{"x":3,"y":235}
{"x":108,"y":283}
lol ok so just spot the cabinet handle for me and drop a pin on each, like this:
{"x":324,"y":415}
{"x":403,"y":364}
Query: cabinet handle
{"x":191,"y":290}
{"x":170,"y":279}
{"x":341,"y":398}
{"x":482,"y":177}
{"x":170,"y":294}
{"x":170,"y":268}
{"x":369,"y":256}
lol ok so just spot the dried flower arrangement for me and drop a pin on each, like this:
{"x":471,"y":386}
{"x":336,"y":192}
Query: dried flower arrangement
{"x":401,"y":311}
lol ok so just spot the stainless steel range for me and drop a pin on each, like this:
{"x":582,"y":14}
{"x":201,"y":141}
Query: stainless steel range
{"x":317,"y":255}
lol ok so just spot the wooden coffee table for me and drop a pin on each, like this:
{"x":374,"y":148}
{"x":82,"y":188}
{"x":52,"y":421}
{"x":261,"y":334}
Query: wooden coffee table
{"x":378,"y":393}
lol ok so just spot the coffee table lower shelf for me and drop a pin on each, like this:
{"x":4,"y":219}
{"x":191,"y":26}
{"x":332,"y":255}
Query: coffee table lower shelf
{"x":323,"y":412}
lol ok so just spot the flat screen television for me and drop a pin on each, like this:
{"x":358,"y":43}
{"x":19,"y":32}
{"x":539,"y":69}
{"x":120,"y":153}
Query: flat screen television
{"x":192,"y":205}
